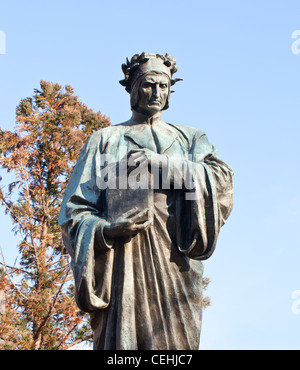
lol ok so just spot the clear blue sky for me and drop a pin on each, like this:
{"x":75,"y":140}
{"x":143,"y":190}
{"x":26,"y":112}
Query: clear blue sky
{"x":241,"y":86}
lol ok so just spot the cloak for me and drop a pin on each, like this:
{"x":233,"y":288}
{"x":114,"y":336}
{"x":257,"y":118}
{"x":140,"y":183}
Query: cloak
{"x":145,"y":292}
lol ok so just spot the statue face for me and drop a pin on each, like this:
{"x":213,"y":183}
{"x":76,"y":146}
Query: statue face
{"x":153,"y":93}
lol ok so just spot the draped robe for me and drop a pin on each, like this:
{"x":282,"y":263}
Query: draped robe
{"x":145,"y":292}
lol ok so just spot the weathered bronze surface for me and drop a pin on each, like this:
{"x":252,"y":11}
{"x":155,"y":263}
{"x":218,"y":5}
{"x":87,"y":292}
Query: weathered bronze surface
{"x":136,"y":252}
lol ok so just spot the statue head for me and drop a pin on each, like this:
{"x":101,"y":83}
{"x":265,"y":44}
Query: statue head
{"x":149,"y":70}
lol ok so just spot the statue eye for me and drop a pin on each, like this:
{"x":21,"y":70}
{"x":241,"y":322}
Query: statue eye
{"x":146,"y":85}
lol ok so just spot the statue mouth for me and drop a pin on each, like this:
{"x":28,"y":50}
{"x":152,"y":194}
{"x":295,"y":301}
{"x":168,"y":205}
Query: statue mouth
{"x":156,"y":102}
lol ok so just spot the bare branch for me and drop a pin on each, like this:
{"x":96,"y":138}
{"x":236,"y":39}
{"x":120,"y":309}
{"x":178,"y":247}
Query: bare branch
{"x":8,"y":275}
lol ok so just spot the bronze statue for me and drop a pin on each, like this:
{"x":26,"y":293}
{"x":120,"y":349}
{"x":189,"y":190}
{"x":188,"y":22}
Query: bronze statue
{"x":136,"y":246}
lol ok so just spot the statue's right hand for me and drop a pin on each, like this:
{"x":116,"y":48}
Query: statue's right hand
{"x":129,"y":224}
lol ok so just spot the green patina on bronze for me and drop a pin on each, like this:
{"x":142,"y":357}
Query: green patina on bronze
{"x":138,"y":270}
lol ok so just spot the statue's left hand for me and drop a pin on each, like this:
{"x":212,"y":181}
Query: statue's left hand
{"x":139,"y":156}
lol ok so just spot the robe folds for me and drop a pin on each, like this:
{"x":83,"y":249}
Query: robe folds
{"x":145,"y":292}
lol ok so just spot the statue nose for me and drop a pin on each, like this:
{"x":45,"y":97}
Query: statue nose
{"x":156,"y":92}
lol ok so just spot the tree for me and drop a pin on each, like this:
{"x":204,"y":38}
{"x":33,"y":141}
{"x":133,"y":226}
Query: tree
{"x":51,"y":128}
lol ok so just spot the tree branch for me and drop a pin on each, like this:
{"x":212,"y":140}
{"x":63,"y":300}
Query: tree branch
{"x":13,"y":284}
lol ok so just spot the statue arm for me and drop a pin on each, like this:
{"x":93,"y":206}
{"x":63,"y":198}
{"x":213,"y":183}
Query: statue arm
{"x":207,"y":203}
{"x":82,"y":200}
{"x":82,"y":224}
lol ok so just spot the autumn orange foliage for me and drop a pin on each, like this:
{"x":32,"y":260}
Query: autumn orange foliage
{"x":51,"y":128}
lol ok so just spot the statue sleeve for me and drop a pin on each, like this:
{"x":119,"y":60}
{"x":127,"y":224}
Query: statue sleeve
{"x":206,"y":202}
{"x":81,"y":219}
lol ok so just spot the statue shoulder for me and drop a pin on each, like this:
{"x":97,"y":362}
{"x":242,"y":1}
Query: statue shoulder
{"x":102,"y":136}
{"x":188,"y":130}
{"x":188,"y":134}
